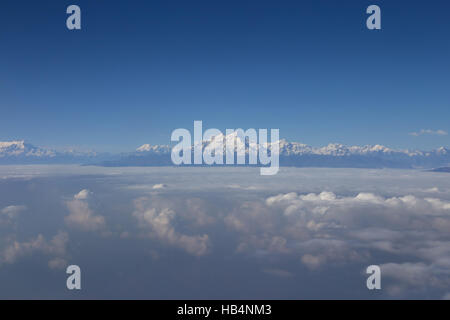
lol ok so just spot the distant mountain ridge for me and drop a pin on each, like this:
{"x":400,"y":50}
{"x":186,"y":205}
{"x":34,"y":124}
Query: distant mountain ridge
{"x":20,"y":152}
{"x":291,"y":154}
{"x":301,"y":155}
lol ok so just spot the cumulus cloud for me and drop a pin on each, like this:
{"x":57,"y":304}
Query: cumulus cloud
{"x":11,"y":212}
{"x":429,"y":132}
{"x":325,"y":229}
{"x":82,"y":195}
{"x":158,"y":220}
{"x":81,"y":216}
{"x":14,"y":249}
{"x":414,"y":277}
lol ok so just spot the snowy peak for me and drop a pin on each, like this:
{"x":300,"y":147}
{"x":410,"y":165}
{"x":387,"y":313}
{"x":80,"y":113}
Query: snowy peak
{"x":159,"y":149}
{"x":144,"y":148}
{"x":332,"y":149}
{"x":20,"y":152}
{"x":291,"y":154}
{"x":299,"y":154}
{"x":287,"y":148}
{"x":16,"y":144}
{"x":12,"y":146}
{"x":20,"y":148}
{"x":442,"y":151}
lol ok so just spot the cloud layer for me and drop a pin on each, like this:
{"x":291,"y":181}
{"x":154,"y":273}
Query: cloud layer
{"x":299,"y":227}
{"x":429,"y":132}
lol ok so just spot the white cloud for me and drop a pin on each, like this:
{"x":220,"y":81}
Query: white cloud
{"x":311,"y":261}
{"x":432,"y":190}
{"x":12,"y":211}
{"x":401,"y":221}
{"x":159,"y":186}
{"x":325,"y":230}
{"x":429,"y":132}
{"x":158,"y":220}
{"x":81,"y":216}
{"x":8,"y":214}
{"x":413,"y":277}
{"x":82,"y":195}
{"x":13,"y":250}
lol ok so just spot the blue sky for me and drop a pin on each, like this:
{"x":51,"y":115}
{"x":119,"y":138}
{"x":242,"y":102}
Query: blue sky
{"x":137,"y":70}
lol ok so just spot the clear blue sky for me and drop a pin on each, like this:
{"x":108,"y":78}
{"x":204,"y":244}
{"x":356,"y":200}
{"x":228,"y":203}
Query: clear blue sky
{"x":139,"y":69}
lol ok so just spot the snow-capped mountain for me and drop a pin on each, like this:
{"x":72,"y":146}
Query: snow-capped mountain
{"x":298,"y":149}
{"x":20,"y":152}
{"x":336,"y":149}
{"x":160,"y":149}
{"x":291,"y":154}
{"x":302,"y":155}
{"x":22,"y":149}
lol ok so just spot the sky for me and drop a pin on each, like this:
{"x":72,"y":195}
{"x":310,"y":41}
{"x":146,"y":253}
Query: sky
{"x":138,"y":70}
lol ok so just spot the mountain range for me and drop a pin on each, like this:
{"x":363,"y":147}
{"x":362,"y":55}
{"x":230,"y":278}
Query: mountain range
{"x":291,"y":154}
{"x":20,"y":152}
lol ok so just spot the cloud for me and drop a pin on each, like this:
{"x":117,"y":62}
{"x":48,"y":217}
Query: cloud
{"x":82,"y":195}
{"x":158,"y":219}
{"x":81,"y":216}
{"x":10,"y":213}
{"x":429,"y":132}
{"x":237,"y":186}
{"x":159,"y":186}
{"x":13,"y":249}
{"x":325,"y":229}
{"x":432,"y":190}
{"x":309,"y":223}
{"x":413,"y":277}
{"x":311,"y":261}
